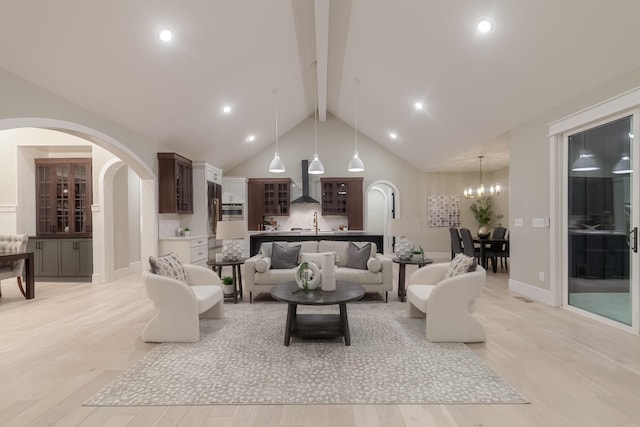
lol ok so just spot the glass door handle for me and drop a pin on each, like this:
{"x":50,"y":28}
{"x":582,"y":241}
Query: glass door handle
{"x":634,"y":243}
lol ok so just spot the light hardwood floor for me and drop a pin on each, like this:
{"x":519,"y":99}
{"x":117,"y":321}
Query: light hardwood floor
{"x":57,"y":350}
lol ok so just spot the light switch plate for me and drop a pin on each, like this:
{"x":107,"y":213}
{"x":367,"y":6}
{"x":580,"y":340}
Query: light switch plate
{"x":519,"y":222}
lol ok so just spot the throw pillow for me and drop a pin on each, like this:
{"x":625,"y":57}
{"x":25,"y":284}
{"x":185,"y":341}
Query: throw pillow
{"x":357,"y":257}
{"x":284,"y":256}
{"x":168,"y":265}
{"x":459,"y":265}
{"x":266,"y":248}
{"x":374,"y":265}
{"x":263,"y":264}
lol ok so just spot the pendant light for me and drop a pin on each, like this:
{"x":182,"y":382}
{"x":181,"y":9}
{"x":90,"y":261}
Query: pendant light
{"x":355,"y":165}
{"x":276,"y":165}
{"x":470,"y":193}
{"x":586,"y":161}
{"x":623,"y":166}
{"x":316,"y":167}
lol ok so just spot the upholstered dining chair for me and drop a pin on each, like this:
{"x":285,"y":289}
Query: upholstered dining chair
{"x":456,"y":242}
{"x":496,"y":249}
{"x":468,"y":247}
{"x":13,"y":243}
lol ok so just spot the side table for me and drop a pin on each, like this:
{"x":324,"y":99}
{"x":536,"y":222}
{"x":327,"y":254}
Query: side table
{"x":402,"y":264}
{"x":236,"y":272}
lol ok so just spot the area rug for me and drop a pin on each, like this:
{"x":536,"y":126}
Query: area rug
{"x":241,"y":359}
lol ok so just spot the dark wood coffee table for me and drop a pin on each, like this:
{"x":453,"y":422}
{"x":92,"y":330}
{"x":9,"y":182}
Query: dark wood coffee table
{"x":317,"y":325}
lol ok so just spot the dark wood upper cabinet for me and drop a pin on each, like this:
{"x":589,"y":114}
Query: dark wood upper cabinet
{"x":63,"y":197}
{"x":343,"y":196}
{"x":175,"y":184}
{"x":267,"y":197}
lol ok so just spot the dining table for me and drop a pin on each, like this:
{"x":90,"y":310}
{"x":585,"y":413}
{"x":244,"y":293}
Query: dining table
{"x":485,"y":247}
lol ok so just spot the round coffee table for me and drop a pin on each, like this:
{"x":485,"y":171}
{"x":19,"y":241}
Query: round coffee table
{"x":317,"y":325}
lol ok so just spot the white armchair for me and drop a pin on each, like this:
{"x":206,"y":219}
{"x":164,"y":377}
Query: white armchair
{"x":447,"y":304}
{"x":13,"y":243}
{"x":179,"y":306}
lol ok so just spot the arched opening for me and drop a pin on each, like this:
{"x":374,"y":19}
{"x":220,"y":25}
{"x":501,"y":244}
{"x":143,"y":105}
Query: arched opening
{"x":102,"y":207}
{"x":382,"y":202}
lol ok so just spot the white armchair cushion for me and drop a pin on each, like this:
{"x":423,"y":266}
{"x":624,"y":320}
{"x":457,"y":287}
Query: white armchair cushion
{"x":263,"y":264}
{"x":169,"y":266}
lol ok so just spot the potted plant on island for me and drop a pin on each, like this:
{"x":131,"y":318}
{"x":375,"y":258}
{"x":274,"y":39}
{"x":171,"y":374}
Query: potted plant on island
{"x":228,"y":285}
{"x":482,"y":209}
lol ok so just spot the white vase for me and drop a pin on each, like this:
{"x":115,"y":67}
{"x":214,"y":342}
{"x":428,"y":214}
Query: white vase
{"x":328,"y":272}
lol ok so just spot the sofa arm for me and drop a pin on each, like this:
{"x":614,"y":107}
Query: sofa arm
{"x":198,"y":275}
{"x":386,"y":270}
{"x":250,"y":272}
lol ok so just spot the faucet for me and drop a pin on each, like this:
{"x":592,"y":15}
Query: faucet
{"x":315,"y":221}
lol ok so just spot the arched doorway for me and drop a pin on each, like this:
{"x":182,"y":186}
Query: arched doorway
{"x":148,"y":229}
{"x":382,"y":203}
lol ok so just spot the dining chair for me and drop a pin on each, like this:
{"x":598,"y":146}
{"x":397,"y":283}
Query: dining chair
{"x":468,"y":247}
{"x":456,"y":242}
{"x":13,"y":243}
{"x":495,"y":249}
{"x":503,"y":252}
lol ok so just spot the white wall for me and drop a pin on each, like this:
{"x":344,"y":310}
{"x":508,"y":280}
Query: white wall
{"x":120,"y":227}
{"x":529,"y":182}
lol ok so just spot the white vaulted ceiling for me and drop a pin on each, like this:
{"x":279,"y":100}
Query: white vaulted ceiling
{"x":105,"y":56}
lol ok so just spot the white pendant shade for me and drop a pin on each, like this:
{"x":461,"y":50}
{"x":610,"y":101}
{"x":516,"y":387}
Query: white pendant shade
{"x":276,"y":165}
{"x":315,"y":167}
{"x":623,"y":166}
{"x":585,"y":163}
{"x":355,"y":165}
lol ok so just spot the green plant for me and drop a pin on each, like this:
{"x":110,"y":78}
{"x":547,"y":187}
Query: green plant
{"x":482,"y":209}
{"x":228,"y":281}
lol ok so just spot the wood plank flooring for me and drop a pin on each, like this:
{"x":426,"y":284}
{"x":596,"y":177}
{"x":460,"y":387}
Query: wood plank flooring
{"x":60,"y":348}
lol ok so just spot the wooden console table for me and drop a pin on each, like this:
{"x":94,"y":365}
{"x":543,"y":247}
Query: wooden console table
{"x":29,"y":278}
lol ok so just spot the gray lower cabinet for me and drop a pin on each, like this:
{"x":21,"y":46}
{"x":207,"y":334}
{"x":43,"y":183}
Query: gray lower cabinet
{"x":45,"y":256}
{"x":62,"y":257}
{"x":75,"y":257}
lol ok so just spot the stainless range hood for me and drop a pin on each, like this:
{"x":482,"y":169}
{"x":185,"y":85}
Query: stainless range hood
{"x":305,"y":198}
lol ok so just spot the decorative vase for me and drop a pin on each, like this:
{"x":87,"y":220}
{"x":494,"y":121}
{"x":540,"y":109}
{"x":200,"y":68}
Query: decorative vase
{"x":308,"y":276}
{"x":403,"y":249}
{"x":328,"y":272}
{"x":484,"y":232}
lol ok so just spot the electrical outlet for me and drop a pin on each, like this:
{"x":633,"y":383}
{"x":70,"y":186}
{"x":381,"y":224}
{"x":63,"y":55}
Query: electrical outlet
{"x":541,"y":276}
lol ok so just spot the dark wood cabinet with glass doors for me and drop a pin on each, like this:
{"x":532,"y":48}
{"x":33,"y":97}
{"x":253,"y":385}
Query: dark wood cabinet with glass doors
{"x":63,"y":197}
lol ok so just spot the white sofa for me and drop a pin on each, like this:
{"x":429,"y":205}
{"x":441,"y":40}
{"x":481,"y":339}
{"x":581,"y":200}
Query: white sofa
{"x":447,"y":304}
{"x":376,"y":278}
{"x":179,"y":306}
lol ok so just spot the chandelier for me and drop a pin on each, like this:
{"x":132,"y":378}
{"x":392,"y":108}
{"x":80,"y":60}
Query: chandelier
{"x":480,"y":191}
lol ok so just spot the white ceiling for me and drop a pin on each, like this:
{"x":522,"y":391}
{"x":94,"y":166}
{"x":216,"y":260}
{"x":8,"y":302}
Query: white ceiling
{"x":104,"y":55}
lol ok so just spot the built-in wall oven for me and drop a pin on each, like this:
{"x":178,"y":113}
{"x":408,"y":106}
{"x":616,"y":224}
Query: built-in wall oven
{"x":232,"y":211}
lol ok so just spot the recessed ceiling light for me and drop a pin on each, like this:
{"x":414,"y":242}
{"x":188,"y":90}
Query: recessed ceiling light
{"x":485,"y":26}
{"x":226,"y":109}
{"x":251,"y":138}
{"x":393,"y":135}
{"x":165,"y":35}
{"x":419,"y":106}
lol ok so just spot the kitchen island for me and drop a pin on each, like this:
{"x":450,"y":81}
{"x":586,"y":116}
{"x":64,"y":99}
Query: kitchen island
{"x":257,"y":239}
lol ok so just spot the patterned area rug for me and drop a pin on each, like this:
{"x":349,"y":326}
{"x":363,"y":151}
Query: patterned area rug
{"x":241,"y":359}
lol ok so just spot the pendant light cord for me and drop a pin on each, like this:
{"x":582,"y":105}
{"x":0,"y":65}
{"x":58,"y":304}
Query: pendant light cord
{"x":355,"y":111}
{"x":275,"y":92}
{"x":315,"y":113}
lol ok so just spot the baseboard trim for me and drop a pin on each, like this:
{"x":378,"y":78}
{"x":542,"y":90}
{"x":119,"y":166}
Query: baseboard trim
{"x":533,"y":292}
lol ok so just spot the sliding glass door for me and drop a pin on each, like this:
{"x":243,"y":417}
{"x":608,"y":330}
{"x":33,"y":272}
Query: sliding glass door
{"x":601,"y":236}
